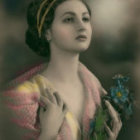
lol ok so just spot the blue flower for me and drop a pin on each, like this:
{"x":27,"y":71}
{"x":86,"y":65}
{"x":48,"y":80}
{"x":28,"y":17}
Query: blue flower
{"x":119,"y":94}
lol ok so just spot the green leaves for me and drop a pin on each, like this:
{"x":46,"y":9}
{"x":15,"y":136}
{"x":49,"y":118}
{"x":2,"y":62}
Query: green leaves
{"x":101,"y":117}
{"x":99,"y":131}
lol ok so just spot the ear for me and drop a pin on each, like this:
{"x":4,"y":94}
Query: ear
{"x":48,"y":34}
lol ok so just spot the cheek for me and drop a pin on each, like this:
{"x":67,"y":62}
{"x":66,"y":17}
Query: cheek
{"x":64,"y":33}
{"x":90,"y":30}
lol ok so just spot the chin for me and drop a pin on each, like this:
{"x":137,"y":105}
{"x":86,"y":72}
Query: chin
{"x":80,"y":49}
{"x":77,"y":48}
{"x":83,"y":49}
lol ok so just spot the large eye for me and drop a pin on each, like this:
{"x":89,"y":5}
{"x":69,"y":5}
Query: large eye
{"x":86,"y":19}
{"x":68,"y":20}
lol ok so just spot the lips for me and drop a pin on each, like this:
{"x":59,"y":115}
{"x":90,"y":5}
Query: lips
{"x":81,"y":37}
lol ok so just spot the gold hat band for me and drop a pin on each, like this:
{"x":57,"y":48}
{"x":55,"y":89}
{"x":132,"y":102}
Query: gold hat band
{"x":39,"y":26}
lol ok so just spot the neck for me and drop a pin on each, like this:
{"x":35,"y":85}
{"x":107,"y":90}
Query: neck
{"x":63,"y":66}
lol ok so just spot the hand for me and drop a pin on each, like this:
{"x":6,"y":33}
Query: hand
{"x":51,"y":115}
{"x":116,"y":122}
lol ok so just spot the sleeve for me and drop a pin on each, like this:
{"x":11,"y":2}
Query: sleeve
{"x":98,"y":90}
{"x":102,"y":91}
{"x":22,"y":106}
{"x":92,"y":81}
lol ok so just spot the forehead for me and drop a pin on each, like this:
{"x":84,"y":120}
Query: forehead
{"x":75,"y":6}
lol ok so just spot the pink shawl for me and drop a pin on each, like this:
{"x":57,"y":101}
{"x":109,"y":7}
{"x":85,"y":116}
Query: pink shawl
{"x":24,"y":105}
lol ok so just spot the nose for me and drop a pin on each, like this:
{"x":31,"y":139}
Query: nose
{"x":80,"y":25}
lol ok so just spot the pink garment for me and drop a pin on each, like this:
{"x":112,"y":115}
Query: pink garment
{"x":25,"y":106}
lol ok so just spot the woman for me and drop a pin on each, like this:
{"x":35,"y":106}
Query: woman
{"x":58,"y":99}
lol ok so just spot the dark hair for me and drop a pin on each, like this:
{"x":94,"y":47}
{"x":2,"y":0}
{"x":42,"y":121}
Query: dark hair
{"x":39,"y":44}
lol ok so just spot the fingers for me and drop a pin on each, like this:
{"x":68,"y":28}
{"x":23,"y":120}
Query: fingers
{"x":54,"y":98}
{"x":116,"y":121}
{"x":65,"y":109}
{"x":50,"y":96}
{"x":44,"y":101}
{"x":108,"y":130}
{"x":58,"y":99}
{"x":111,"y":110}
{"x":60,"y":103}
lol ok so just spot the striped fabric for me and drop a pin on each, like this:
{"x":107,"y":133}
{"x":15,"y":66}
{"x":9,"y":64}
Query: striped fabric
{"x":23,"y":98}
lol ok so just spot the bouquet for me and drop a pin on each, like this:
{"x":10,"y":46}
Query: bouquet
{"x":121,"y":99}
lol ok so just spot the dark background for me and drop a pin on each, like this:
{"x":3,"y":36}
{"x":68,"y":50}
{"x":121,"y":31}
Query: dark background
{"x":115,"y":48}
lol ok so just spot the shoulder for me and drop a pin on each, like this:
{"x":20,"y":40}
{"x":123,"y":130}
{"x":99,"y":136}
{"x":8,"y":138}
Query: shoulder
{"x":23,"y":88}
{"x":21,"y":101}
{"x":26,"y":76}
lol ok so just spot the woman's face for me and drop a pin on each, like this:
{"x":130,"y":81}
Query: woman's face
{"x":71,"y":28}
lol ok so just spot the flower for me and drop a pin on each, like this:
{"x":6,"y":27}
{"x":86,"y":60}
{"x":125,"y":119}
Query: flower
{"x":121,"y":97}
{"x":119,"y":94}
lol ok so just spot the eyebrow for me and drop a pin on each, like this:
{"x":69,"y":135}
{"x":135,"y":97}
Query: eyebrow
{"x":72,"y":13}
